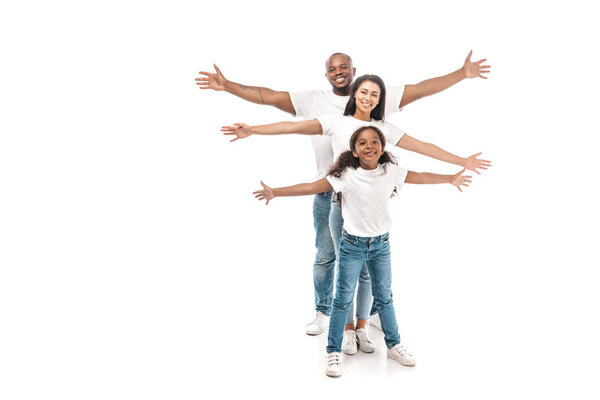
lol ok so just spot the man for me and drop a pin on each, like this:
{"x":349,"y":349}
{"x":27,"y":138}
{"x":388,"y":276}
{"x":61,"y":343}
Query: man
{"x":311,"y":104}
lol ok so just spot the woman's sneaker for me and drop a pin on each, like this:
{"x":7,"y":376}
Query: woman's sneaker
{"x":349,"y":342}
{"x":364,"y":343}
{"x":400,"y":354}
{"x":375,"y":322}
{"x":334,"y":365}
{"x":318,"y":326}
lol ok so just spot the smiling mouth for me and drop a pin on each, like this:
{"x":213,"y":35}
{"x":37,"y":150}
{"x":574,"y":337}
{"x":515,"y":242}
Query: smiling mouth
{"x":340,"y":79}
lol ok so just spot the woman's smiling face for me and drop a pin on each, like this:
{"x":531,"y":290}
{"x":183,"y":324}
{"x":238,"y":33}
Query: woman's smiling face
{"x":367,"y":96}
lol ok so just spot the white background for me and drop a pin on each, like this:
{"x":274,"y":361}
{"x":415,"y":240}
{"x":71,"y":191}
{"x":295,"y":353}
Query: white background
{"x":136,"y":264}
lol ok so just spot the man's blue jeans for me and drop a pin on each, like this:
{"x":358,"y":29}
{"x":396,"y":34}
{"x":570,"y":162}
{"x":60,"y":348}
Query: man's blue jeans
{"x":324,"y":267}
{"x":364,"y":299}
{"x":354,"y":251}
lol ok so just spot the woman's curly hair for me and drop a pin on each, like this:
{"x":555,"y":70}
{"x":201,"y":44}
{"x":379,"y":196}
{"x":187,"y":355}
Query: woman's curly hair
{"x":347,"y":159}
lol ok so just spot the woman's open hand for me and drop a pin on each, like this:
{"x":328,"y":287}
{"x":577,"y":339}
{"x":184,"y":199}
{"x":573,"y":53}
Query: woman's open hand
{"x":459,"y":179}
{"x":238,"y":129}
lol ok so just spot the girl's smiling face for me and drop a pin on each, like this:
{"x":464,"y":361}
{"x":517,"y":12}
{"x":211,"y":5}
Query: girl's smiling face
{"x":368,"y":148}
{"x":367,"y":96}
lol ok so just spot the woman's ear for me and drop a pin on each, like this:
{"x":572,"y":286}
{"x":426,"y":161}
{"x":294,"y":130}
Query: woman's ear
{"x":354,"y":154}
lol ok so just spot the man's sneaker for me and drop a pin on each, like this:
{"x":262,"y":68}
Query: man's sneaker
{"x":364,"y":343}
{"x":318,"y":326}
{"x":334,"y":365}
{"x":349,"y":342}
{"x":401,"y":355}
{"x":375,"y":322}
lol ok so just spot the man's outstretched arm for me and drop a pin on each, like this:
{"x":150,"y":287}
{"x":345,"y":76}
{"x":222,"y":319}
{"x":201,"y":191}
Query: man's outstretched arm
{"x":431,"y":86}
{"x":255,"y":94}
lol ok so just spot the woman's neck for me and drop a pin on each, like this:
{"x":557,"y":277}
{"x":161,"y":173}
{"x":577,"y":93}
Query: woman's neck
{"x":362,"y":115}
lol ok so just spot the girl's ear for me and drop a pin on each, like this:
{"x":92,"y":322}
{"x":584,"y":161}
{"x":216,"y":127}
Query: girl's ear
{"x":354,"y":154}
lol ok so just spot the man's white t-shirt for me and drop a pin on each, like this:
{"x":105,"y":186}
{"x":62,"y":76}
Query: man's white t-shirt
{"x":315,"y":103}
{"x":341,"y":127}
{"x":366,"y":197}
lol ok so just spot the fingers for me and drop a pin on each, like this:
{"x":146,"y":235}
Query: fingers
{"x":469,"y":56}
{"x":209,"y":74}
{"x":217,"y":69}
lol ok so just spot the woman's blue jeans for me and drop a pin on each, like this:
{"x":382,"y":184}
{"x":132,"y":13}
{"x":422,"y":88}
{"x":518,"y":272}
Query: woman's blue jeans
{"x":354,"y":252}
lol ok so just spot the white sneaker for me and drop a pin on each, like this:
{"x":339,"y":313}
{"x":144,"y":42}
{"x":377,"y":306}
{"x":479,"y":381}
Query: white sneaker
{"x":319,"y":324}
{"x":375,"y":322}
{"x":364,"y":343}
{"x":349,"y":342}
{"x":334,"y":364}
{"x":400,"y":354}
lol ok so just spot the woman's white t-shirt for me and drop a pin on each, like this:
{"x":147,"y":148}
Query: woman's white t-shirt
{"x":366,"y":197}
{"x":312,"y":104}
{"x":341,"y":127}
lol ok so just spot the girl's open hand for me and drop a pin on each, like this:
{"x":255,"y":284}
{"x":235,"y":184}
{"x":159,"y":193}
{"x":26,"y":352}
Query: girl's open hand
{"x":239,"y":130}
{"x":459,"y":180}
{"x":472,"y":163}
{"x":265,"y":194}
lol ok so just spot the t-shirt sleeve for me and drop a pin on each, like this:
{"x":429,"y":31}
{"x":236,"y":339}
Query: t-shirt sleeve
{"x":393,"y":97}
{"x":337,"y":184}
{"x":327,"y":123}
{"x":392,"y":133}
{"x":398,"y":175}
{"x":302,"y":102}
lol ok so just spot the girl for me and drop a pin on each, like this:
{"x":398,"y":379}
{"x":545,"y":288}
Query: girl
{"x":368,"y":177}
{"x":365,"y":107}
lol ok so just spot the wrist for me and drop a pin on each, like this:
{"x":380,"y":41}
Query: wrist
{"x":463,"y":73}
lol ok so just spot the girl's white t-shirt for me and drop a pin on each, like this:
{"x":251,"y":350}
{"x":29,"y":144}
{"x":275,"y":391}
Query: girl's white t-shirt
{"x":366,"y":197}
{"x":341,"y":127}
{"x":315,"y":103}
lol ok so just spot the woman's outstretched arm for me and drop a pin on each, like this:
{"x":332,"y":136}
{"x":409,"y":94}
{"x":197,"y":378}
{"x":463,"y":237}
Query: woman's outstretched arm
{"x":431,"y":150}
{"x":267,"y":193}
{"x":240,"y":131}
{"x":457,"y":180}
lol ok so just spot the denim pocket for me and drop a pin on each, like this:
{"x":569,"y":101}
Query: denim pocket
{"x":385,"y":238}
{"x":349,"y":239}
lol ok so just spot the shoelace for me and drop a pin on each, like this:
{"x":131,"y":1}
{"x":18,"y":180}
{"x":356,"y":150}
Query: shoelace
{"x":362,"y":336}
{"x":333,"y":358}
{"x":350,"y":336}
{"x":319,"y":318}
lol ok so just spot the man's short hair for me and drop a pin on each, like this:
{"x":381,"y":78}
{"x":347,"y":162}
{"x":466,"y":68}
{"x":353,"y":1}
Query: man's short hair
{"x":339,"y":54}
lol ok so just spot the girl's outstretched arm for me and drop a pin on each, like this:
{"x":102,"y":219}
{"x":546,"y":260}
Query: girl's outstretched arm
{"x":457,"y":180}
{"x":431,"y":150}
{"x":302,"y":189}
{"x":240,"y":131}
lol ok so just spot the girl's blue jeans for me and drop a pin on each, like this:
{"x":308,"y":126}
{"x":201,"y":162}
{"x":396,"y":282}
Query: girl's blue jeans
{"x":364,"y":299}
{"x":354,"y":252}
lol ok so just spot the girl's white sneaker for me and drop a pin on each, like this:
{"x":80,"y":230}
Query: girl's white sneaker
{"x":334,"y":365}
{"x":364,"y":343}
{"x":400,"y":354}
{"x":349,"y":342}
